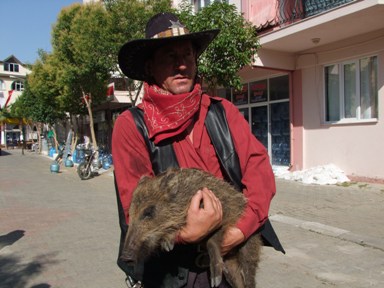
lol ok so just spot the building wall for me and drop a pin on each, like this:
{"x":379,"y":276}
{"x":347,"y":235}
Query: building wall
{"x":10,"y":132}
{"x":8,"y":78}
{"x":355,"y":147}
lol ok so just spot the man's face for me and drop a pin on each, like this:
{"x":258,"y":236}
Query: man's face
{"x":173,"y":67}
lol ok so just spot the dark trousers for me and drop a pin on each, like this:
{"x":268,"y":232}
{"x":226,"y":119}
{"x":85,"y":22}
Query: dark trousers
{"x":201,"y":280}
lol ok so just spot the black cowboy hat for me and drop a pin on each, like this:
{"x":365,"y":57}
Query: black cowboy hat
{"x":161,"y":29}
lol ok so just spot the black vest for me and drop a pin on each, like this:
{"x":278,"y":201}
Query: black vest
{"x":163,"y":157}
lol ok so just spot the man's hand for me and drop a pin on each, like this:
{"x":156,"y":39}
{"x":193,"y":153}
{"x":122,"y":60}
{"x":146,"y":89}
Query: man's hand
{"x":204,"y":216}
{"x":232,"y":237}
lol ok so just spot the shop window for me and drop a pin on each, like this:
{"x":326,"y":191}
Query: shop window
{"x":224,"y":93}
{"x":258,"y":91}
{"x":260,"y":124}
{"x":245,"y":112}
{"x":240,"y":97}
{"x":351,"y":90}
{"x":280,"y":133}
{"x":279,"y":88}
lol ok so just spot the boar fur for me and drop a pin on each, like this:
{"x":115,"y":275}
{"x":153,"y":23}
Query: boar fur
{"x":159,"y":208}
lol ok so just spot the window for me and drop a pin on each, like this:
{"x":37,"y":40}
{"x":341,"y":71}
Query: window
{"x":241,"y":97}
{"x":259,"y":91}
{"x":279,"y":88}
{"x":2,"y":85}
{"x":11,"y":67}
{"x":224,"y":93}
{"x":18,"y":86}
{"x":351,"y":90}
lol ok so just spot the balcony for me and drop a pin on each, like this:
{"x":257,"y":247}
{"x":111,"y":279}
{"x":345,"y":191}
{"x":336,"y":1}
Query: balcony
{"x":325,"y":20}
{"x":290,"y":11}
{"x":313,"y":7}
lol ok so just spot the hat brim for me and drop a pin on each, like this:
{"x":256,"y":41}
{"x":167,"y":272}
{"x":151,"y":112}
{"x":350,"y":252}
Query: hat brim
{"x":134,"y":54}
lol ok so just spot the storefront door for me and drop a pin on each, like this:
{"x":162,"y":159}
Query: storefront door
{"x":265,"y":105}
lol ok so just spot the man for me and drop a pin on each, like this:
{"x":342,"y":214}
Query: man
{"x":174,"y":112}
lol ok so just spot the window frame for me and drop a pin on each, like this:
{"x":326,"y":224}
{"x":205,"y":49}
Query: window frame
{"x":11,"y":67}
{"x":342,"y":97}
{"x":18,"y":85}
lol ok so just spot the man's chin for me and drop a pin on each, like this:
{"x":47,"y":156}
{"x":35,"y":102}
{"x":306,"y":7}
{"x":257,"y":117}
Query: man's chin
{"x":181,"y":88}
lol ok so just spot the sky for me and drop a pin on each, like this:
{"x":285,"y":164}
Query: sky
{"x":27,"y":27}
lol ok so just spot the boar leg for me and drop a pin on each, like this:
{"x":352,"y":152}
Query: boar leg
{"x":216,"y":261}
{"x":249,"y":257}
{"x":234,"y":273}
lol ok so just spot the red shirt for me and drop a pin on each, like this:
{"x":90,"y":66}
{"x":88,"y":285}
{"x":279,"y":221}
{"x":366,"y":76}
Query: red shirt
{"x":131,"y":161}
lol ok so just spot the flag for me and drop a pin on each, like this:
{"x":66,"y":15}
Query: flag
{"x":9,"y":97}
{"x":110,"y":91}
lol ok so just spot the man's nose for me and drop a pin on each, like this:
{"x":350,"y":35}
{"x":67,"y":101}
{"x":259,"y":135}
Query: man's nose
{"x":180,"y":63}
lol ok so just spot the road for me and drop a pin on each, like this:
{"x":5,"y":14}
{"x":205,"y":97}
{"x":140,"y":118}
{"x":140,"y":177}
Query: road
{"x":59,"y":231}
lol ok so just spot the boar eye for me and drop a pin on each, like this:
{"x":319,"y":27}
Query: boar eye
{"x":148,"y":213}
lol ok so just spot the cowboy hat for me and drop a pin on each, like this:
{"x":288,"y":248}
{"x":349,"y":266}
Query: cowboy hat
{"x":161,"y":29}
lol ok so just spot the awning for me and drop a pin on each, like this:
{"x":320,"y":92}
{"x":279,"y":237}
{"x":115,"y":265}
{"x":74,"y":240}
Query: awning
{"x":15,"y":121}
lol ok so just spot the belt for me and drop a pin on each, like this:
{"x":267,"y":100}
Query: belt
{"x":202,"y":257}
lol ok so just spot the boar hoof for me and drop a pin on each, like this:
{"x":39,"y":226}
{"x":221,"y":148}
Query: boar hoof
{"x":215,"y":281}
{"x":216,"y":273}
{"x":167,"y":245}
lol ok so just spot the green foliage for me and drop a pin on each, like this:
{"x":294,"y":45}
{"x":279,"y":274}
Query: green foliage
{"x":233,"y":48}
{"x":39,"y":100}
{"x":82,"y":52}
{"x":61,"y":33}
{"x":4,"y":114}
{"x":127,"y":20}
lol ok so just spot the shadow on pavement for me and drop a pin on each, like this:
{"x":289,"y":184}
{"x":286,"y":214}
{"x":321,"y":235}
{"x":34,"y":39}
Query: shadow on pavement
{"x":10,"y":238}
{"x":16,"y":273}
{"x":4,"y":153}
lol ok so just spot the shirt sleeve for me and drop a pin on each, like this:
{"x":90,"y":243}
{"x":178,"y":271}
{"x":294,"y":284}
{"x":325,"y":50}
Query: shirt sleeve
{"x":257,"y":175}
{"x":130,"y":158}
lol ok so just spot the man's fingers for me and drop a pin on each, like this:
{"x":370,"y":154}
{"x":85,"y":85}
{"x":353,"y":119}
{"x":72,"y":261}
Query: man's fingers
{"x":210,"y":196}
{"x":212,"y":204}
{"x":196,"y":200}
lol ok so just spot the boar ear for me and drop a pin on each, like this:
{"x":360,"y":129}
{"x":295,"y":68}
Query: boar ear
{"x":170,"y":184}
{"x":144,"y":179}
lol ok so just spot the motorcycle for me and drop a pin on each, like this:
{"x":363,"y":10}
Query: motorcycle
{"x":89,"y":165}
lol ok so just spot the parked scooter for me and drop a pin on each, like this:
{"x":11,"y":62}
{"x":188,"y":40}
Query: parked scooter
{"x":90,"y":164}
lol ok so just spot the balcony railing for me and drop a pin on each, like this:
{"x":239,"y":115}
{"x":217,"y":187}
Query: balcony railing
{"x":289,"y":11}
{"x":313,"y":7}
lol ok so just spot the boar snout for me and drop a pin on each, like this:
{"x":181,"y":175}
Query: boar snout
{"x":128,"y":255}
{"x":131,"y":248}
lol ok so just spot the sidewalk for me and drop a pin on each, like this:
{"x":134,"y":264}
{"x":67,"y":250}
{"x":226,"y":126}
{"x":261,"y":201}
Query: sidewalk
{"x":59,"y":231}
{"x":333,"y":236}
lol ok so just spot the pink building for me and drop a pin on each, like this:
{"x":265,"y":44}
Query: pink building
{"x":314,"y":94}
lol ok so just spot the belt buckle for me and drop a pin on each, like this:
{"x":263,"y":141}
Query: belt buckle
{"x":202,"y":258}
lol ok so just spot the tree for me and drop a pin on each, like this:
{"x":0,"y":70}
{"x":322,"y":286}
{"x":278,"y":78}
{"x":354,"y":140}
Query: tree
{"x":233,"y":48}
{"x":82,"y":51}
{"x":127,"y":21}
{"x":39,"y":100}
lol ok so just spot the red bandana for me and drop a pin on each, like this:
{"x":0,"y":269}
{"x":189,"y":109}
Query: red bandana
{"x":166,"y":114}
